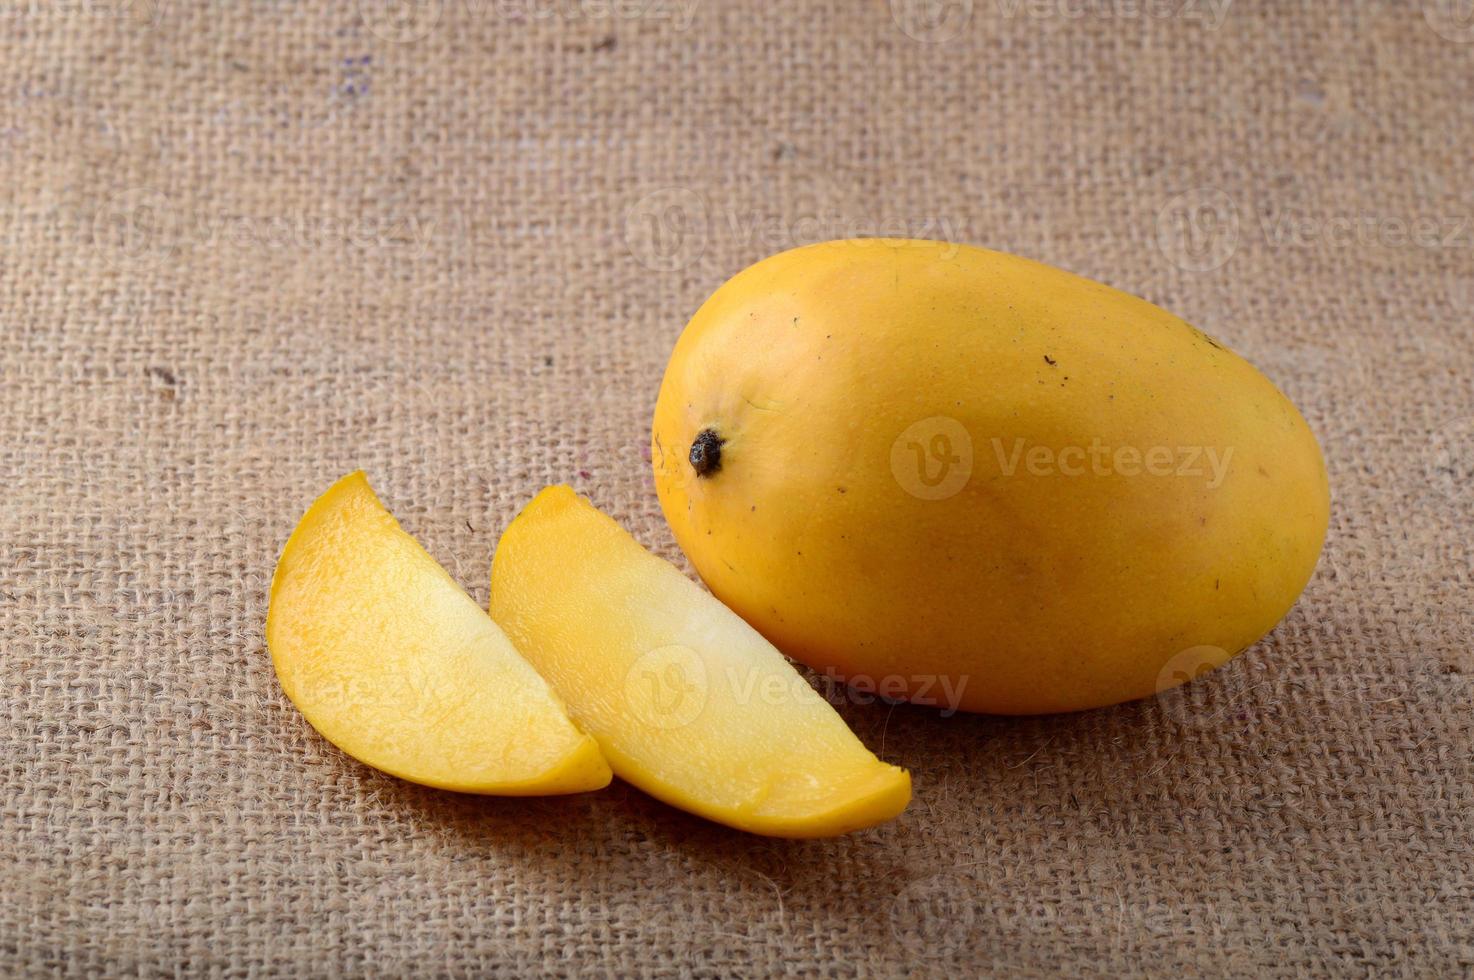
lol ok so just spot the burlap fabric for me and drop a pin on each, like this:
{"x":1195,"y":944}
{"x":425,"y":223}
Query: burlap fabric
{"x":249,"y":247}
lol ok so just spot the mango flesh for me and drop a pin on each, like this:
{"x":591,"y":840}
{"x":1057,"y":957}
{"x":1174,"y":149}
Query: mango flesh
{"x":942,"y":468}
{"x":395,"y":664}
{"x":686,"y":700}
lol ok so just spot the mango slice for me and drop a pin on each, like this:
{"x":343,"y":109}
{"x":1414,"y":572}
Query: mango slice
{"x":391,"y":661}
{"x":688,"y":702}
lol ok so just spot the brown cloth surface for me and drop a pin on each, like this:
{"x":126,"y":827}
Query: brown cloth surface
{"x":245,"y":248}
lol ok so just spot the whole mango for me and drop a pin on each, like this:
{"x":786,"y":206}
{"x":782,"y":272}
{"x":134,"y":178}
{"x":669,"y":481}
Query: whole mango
{"x":956,"y":476}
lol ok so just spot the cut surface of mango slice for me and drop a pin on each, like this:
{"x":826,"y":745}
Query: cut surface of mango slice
{"x":391,"y":661}
{"x":688,"y":702}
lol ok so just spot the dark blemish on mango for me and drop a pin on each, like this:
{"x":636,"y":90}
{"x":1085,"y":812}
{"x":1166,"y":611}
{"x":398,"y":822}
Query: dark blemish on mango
{"x":840,"y":489}
{"x":1050,"y":361}
{"x":706,"y":453}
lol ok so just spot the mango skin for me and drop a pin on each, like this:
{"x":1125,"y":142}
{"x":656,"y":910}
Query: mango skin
{"x":926,"y":485}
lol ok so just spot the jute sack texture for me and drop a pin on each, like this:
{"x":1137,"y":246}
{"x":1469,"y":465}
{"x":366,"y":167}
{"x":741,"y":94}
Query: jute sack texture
{"x":246,"y":248}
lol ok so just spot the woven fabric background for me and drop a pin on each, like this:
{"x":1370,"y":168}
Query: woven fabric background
{"x":246,"y":248}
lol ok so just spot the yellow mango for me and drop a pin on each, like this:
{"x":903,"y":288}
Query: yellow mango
{"x":395,"y":664}
{"x":687,"y":701}
{"x":973,"y":480}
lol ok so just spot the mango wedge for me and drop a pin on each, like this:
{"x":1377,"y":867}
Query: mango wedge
{"x":396,"y":665}
{"x":687,"y":701}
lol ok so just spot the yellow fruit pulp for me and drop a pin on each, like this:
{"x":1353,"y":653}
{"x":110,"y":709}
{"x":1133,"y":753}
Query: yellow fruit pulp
{"x":687,"y":701}
{"x":396,"y":665}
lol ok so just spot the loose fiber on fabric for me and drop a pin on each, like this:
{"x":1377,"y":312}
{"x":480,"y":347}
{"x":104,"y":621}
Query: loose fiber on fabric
{"x":246,"y":248}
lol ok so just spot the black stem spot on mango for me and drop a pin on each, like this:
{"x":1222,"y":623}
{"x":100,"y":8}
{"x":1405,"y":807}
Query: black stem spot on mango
{"x":706,"y":452}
